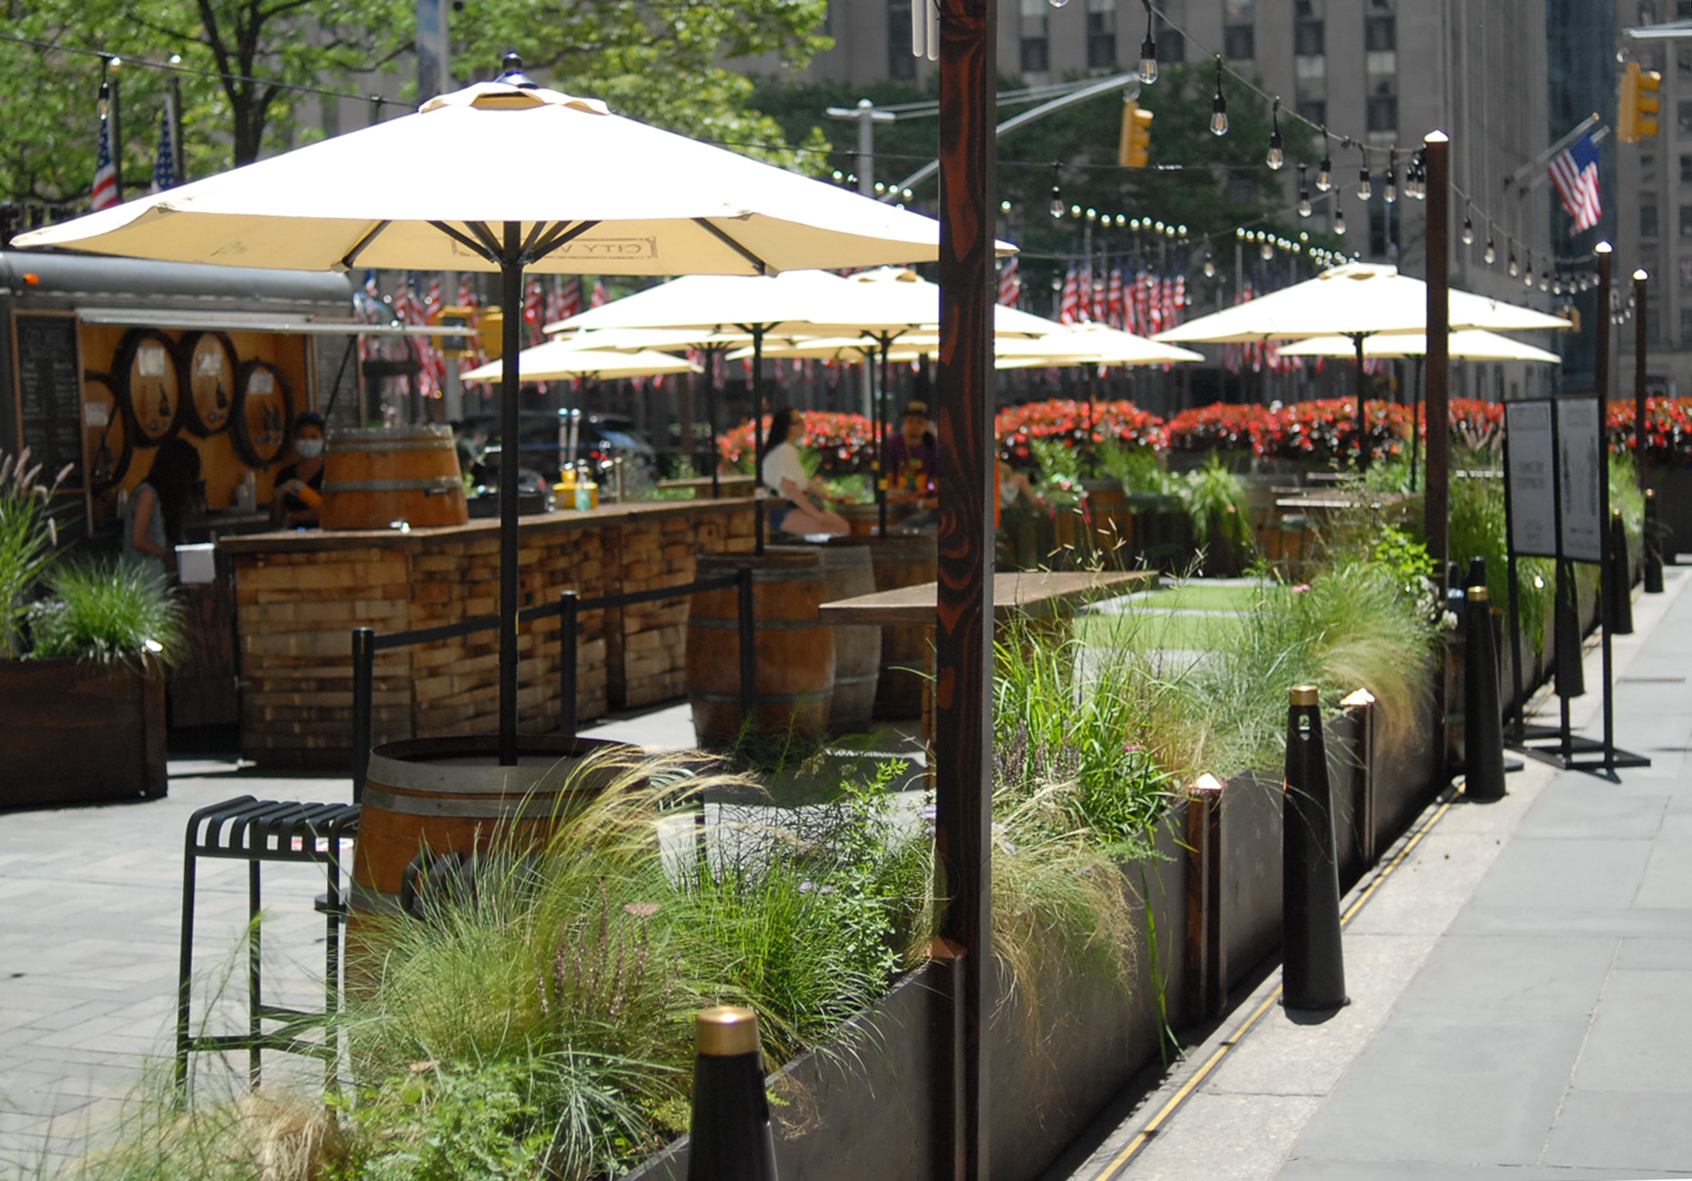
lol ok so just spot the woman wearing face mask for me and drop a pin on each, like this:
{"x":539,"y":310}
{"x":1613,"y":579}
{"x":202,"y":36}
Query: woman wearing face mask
{"x":299,"y":484}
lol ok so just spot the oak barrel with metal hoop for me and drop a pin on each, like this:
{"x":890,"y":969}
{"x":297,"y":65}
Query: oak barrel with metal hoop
{"x":372,"y":478}
{"x":849,"y":571}
{"x":793,"y":685}
{"x":907,"y":560}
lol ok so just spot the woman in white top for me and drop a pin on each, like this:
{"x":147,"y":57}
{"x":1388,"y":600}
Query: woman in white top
{"x":782,"y":475}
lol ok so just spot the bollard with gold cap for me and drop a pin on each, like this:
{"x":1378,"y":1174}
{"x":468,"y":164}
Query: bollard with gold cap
{"x":1618,"y":579}
{"x":730,"y":1137}
{"x":1313,"y":967}
{"x":1483,"y":711}
{"x":1653,"y":545}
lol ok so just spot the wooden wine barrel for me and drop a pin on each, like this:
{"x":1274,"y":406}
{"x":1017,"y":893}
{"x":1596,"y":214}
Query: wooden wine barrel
{"x":864,"y":519}
{"x":1113,"y":524}
{"x":849,"y":571}
{"x":451,"y":795}
{"x":374,"y":477}
{"x":903,"y":561}
{"x":793,"y":683}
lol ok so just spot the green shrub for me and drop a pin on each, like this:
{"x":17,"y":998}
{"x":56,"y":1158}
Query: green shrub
{"x":106,"y":610}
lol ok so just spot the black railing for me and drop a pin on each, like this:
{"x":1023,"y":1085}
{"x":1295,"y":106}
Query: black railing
{"x":569,"y":607}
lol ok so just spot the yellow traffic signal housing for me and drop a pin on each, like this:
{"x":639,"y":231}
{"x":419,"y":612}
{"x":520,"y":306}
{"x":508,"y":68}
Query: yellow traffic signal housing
{"x":490,"y":330}
{"x":1638,"y":104}
{"x":454,"y":346}
{"x":1135,"y":149}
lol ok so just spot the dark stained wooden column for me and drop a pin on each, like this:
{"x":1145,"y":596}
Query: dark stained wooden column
{"x":963,"y":639}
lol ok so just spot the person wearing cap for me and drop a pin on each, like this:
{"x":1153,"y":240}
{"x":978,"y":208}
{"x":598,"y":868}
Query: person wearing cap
{"x":911,"y":466}
{"x":299,"y":485}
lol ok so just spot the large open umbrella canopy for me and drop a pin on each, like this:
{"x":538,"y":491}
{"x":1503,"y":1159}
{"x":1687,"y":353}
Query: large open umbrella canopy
{"x":1469,"y":344}
{"x":566,"y":187}
{"x":1088,"y":344}
{"x":555,"y":360}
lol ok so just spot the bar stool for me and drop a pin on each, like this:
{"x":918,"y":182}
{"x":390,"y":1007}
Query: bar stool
{"x":255,"y":831}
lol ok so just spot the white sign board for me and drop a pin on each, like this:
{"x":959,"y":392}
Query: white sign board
{"x":1581,"y":474}
{"x":1533,"y":465}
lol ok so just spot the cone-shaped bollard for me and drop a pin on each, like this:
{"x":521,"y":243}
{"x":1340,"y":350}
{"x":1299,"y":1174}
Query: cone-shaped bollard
{"x":1571,"y":676}
{"x":1653,"y":546}
{"x":1313,"y":970}
{"x":1483,"y":715}
{"x":1618,"y":579}
{"x":730,"y":1137}
{"x":1477,"y":573}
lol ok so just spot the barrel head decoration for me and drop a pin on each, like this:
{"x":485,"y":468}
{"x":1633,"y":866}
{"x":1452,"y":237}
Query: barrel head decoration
{"x":109,"y":443}
{"x":262,"y":418}
{"x":209,"y":360}
{"x":149,"y":384}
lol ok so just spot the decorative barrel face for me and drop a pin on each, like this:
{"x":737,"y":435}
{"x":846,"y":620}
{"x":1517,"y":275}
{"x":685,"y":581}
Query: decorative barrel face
{"x":149,"y":385}
{"x":793,"y":685}
{"x":261,"y":419}
{"x":372,"y":478}
{"x":209,"y":361}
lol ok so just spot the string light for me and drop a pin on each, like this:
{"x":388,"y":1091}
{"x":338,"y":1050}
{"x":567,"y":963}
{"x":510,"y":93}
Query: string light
{"x":1056,"y":205}
{"x":1389,"y":193}
{"x":1219,"y":104}
{"x":1468,"y":227}
{"x":1491,"y":255}
{"x":1276,"y":159}
{"x":1148,"y":50}
{"x":1325,"y":173}
{"x":1266,"y":251}
{"x":1339,"y":221}
{"x":1365,"y":190}
{"x":1303,"y":194}
{"x":1512,"y":265}
{"x":1209,"y":266}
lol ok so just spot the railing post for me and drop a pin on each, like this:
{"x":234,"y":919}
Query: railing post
{"x":364,"y":689}
{"x":569,"y":633}
{"x":748,"y":654}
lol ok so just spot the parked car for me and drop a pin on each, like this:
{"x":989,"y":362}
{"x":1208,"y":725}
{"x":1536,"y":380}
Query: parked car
{"x":600,"y":439}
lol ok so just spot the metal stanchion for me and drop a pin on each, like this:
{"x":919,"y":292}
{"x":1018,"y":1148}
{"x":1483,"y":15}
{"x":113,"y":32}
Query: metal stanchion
{"x":730,"y":1132}
{"x":1483,"y":715}
{"x":1313,"y":967}
{"x":364,"y":690}
{"x":1618,"y":579}
{"x":1653,"y":546}
{"x":569,"y":635}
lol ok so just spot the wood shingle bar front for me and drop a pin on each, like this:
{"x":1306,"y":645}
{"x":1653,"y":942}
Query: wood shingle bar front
{"x":300,"y":594}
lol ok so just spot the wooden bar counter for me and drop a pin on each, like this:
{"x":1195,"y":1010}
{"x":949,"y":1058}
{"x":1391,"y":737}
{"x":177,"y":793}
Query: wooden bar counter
{"x":300,"y":593}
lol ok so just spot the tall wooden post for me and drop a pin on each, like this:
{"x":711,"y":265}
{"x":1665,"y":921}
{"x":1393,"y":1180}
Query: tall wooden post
{"x":963,"y":641}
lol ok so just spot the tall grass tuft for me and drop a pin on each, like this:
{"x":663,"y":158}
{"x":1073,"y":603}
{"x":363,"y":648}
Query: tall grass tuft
{"x":106,"y":610}
{"x":28,"y":537}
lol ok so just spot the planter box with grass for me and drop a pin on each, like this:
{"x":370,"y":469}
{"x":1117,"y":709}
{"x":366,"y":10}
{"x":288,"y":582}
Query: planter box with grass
{"x":79,"y":732}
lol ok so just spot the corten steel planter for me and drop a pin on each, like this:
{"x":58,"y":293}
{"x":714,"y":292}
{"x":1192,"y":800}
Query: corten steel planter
{"x":80,"y":732}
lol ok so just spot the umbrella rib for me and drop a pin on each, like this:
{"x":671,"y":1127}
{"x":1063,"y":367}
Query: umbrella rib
{"x":465,"y":239}
{"x":559,"y":236}
{"x":351,"y":257}
{"x":494,"y":247}
{"x":723,"y":236}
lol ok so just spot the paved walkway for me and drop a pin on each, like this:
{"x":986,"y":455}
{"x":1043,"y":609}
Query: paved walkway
{"x":1516,"y":986}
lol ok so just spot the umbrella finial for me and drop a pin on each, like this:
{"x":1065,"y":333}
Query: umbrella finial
{"x":512,"y":74}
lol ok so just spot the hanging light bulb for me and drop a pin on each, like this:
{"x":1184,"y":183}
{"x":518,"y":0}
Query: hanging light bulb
{"x":1468,"y":228}
{"x":1339,"y":221}
{"x":1413,"y":179}
{"x":1277,"y":158}
{"x":1219,"y":104}
{"x":1528,"y":276}
{"x":1325,"y":170}
{"x":1365,"y":190}
{"x":1557,"y":287}
{"x":1209,"y":267}
{"x":1056,"y":205}
{"x":105,"y":103}
{"x":1389,"y":194}
{"x":1266,"y":251}
{"x":1491,"y":255}
{"x":1148,"y":50}
{"x":1544,"y":281}
{"x":1303,"y":194}
{"x":1512,"y":265}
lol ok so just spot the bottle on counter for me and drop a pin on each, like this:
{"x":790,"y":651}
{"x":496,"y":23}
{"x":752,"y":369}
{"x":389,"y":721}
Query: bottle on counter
{"x":246,"y":492}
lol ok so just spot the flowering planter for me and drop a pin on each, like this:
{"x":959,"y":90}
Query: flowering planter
{"x":78,"y":732}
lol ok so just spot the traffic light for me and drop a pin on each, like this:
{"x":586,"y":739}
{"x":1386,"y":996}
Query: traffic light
{"x":1134,"y":150}
{"x":1637,"y":106}
{"x":490,"y":330}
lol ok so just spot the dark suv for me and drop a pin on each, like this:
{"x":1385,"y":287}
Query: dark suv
{"x":599,"y":439}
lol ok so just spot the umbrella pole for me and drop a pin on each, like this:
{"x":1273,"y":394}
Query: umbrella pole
{"x":511,"y":276}
{"x":1362,"y":414}
{"x":881,"y":432}
{"x":757,"y":436}
{"x":715,"y":460}
{"x":1415,"y":423}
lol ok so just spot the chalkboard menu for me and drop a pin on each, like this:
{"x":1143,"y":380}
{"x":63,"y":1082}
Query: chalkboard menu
{"x":49,"y":389}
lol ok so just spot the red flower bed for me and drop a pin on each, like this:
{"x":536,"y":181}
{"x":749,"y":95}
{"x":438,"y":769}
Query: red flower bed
{"x":1326,"y":431}
{"x":1221,"y":425}
{"x":846,"y":442}
{"x":1668,"y":429}
{"x":1065,"y":421}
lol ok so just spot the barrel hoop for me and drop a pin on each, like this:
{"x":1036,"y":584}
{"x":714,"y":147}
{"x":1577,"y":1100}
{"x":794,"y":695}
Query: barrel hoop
{"x":455,"y":778}
{"x":433,"y":484}
{"x":757,"y":700}
{"x":416,"y":443}
{"x":714,"y":623}
{"x":480,"y":807}
{"x":370,"y":900}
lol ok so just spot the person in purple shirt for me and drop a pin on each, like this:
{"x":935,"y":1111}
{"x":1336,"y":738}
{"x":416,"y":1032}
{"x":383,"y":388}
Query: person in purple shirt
{"x":911,"y":465}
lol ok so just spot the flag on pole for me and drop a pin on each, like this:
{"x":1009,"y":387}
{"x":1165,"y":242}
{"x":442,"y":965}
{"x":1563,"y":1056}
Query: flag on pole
{"x":1010,"y":284}
{"x":570,"y":296}
{"x":1113,"y":298}
{"x":1575,"y":173}
{"x":1069,"y":310}
{"x":554,"y":301}
{"x":533,"y":302}
{"x":164,"y":160}
{"x":599,"y":294}
{"x":105,"y":172}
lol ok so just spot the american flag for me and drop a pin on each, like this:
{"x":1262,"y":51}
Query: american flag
{"x":1010,"y":284}
{"x":570,"y":296}
{"x":1113,"y":300}
{"x":1069,"y":310}
{"x":534,"y":301}
{"x":554,"y":301}
{"x":164,"y":162}
{"x":599,"y":295}
{"x":467,"y":290}
{"x":1575,"y":173}
{"x":105,"y":172}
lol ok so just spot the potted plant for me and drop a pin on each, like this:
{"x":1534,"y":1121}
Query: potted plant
{"x":82,"y":646}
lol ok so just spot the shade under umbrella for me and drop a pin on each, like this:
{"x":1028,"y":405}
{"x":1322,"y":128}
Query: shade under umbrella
{"x":1469,"y":344}
{"x":572,"y":189}
{"x":555,"y":360}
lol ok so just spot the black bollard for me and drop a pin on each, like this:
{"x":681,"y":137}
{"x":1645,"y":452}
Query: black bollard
{"x":1571,"y":675}
{"x":1483,"y":715}
{"x":730,"y":1137}
{"x":1313,"y":968}
{"x":1618,"y":579}
{"x":1477,"y":573}
{"x":1653,"y":546}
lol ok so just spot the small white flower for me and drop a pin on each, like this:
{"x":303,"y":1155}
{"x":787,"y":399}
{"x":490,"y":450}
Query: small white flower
{"x":1449,"y":621}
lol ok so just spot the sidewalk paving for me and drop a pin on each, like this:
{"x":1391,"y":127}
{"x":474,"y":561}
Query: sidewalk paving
{"x":1515,"y":984}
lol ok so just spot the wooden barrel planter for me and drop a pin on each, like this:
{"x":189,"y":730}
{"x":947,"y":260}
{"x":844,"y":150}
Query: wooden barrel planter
{"x":849,"y":571}
{"x":1112,"y":524}
{"x":793,"y":684}
{"x":903,"y":561}
{"x":452,"y":796}
{"x":372,"y":478}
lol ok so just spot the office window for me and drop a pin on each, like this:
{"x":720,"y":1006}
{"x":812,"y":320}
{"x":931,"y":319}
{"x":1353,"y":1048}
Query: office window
{"x":1683,"y":115}
{"x":1647,"y":170}
{"x":1171,"y":45}
{"x":1101,"y":34}
{"x":1035,"y":59}
{"x":1382,"y":110}
{"x":1686,"y":271}
{"x":901,"y":63}
{"x":1686,"y":170}
{"x":1309,"y":38}
{"x":1686,"y":326}
{"x":1686,"y":221}
{"x":1683,"y":10}
{"x":1315,"y":110}
{"x":1380,"y":34}
{"x":1683,"y":62}
{"x":1647,"y":221}
{"x":1239,"y":43}
{"x":1647,"y":12}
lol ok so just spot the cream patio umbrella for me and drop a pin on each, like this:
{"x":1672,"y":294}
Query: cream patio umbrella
{"x":572,"y":188}
{"x":1089,"y":344}
{"x":554,"y":360}
{"x":1356,"y":301}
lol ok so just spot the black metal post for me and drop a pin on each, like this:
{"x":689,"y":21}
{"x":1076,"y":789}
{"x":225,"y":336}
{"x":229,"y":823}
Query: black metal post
{"x":1416,"y":425}
{"x":1313,"y":965}
{"x":1653,"y":545}
{"x":730,"y":1127}
{"x":115,"y":119}
{"x":1618,"y":578}
{"x":1518,"y":706}
{"x":1436,"y":156}
{"x":1358,"y":380}
{"x":511,"y":277}
{"x":1483,"y":722}
{"x":363,"y":711}
{"x":185,"y":961}
{"x":1606,"y":621}
{"x":883,"y":472}
{"x":569,"y":635}
{"x":1640,"y":296}
{"x":715,"y":461}
{"x":757,"y":331}
{"x":748,"y":643}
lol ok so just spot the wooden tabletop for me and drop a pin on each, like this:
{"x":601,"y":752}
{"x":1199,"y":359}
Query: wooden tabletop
{"x":1039,"y":593}
{"x":704,"y":482}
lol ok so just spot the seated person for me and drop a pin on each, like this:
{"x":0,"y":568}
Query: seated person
{"x":911,"y":467}
{"x":288,"y":508}
{"x":783,"y":476}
